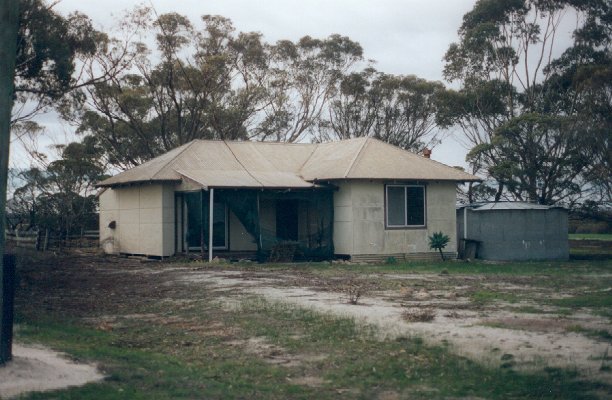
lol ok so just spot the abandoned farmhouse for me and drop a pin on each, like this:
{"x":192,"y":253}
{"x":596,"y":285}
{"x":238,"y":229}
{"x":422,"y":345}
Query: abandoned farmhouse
{"x":361,"y":199}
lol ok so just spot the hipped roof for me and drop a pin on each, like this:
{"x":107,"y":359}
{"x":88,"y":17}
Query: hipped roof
{"x":225,"y":164}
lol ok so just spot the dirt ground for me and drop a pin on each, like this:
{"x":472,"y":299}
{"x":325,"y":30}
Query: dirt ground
{"x":35,"y":368}
{"x":439,"y":308}
{"x":485,"y":335}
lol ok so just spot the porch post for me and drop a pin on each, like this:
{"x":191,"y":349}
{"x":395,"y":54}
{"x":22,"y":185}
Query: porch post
{"x":210,"y":223}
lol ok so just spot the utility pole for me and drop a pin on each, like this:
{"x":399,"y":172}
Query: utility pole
{"x":9,"y":24}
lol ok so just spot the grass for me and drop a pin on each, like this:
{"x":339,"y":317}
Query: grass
{"x":598,"y":299}
{"x":457,"y":267}
{"x":596,"y":333}
{"x":590,"y":236}
{"x":185,"y":341}
{"x":489,"y":296}
{"x":142,"y":361}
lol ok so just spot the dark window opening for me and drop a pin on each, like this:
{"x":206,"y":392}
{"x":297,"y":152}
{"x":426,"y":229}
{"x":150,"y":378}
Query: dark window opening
{"x":405,"y":206}
{"x":195,"y":210}
{"x":287,"y":219}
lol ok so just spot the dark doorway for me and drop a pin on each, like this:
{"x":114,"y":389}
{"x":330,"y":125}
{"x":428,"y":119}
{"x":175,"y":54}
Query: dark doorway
{"x":287,"y":219}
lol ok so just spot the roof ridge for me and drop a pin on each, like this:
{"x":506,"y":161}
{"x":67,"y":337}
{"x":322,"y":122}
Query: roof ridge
{"x":186,"y":145}
{"x":241,"y":164}
{"x":426,"y":159}
{"x":352,"y":164}
{"x":314,"y":148}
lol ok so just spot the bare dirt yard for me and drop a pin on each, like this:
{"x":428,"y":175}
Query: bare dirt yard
{"x":187,"y":329}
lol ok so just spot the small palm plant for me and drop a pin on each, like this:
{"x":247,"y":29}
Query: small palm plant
{"x":438,"y":241}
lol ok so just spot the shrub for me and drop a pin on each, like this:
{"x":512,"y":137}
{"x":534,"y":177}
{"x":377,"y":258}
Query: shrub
{"x":438,"y":241}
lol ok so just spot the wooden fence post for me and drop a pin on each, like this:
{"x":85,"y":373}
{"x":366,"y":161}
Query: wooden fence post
{"x":7,"y":304}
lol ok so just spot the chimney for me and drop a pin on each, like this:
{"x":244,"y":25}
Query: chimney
{"x":426,"y":152}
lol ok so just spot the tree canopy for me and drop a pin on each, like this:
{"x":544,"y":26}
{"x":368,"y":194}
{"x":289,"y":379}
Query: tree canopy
{"x":537,"y":125}
{"x":535,"y":116}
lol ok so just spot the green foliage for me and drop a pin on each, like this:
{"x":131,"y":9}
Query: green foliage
{"x":538,"y":157}
{"x":391,"y":260}
{"x":61,"y":198}
{"x":49,"y":48}
{"x":538,"y":126}
{"x":211,"y":83}
{"x":438,"y":241}
{"x":399,"y":110}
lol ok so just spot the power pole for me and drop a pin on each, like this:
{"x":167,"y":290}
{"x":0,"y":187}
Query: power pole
{"x":9,"y":24}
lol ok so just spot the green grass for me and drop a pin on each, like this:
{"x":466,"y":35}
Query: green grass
{"x":144,"y":361}
{"x":489,"y":296}
{"x":590,"y":236}
{"x":598,"y":299}
{"x":457,"y":267}
{"x":595,"y":333}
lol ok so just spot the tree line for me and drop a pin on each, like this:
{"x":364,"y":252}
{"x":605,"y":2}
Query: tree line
{"x":537,"y":124}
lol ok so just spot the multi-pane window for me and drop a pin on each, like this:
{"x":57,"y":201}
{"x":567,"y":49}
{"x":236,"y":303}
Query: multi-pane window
{"x":405,"y":206}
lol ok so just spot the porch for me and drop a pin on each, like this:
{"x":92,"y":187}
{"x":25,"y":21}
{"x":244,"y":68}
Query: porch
{"x":271,"y":224}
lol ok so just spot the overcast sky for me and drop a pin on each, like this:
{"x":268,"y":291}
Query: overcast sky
{"x":402,"y":36}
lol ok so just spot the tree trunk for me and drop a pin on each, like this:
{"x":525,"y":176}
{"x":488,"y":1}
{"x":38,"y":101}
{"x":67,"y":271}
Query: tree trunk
{"x":9,"y":23}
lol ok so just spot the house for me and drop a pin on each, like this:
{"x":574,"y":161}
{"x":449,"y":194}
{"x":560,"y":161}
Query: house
{"x":361,"y":199}
{"x":512,"y":231}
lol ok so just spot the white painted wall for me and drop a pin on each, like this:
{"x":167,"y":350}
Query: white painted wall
{"x":359,"y":220}
{"x":144,"y":217}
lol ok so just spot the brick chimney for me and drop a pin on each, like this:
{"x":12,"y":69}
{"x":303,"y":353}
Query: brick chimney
{"x":426,"y":152}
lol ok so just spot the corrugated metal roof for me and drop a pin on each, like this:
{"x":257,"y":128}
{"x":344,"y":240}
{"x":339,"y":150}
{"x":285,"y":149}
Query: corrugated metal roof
{"x":506,"y":205}
{"x":367,"y":158}
{"x":284,"y":165}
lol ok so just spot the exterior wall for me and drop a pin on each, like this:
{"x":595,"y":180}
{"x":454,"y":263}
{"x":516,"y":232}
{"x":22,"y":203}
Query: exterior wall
{"x":343,"y":219}
{"x":144,"y":217}
{"x":359,"y":221}
{"x":518,"y":234}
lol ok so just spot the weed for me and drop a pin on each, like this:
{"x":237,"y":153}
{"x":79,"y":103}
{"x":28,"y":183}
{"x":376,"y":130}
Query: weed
{"x":354,"y":292}
{"x":420,"y":315}
{"x":391,"y":260}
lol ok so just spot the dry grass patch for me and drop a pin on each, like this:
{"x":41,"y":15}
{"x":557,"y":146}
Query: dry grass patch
{"x":419,"y":315}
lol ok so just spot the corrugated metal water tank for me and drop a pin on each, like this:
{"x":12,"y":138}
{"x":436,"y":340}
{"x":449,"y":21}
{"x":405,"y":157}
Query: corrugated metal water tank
{"x":507,"y":231}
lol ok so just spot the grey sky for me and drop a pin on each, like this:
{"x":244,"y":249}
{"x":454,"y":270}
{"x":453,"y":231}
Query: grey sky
{"x":402,"y":36}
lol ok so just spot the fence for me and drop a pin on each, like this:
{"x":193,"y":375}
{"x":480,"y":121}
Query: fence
{"x":46,"y":240}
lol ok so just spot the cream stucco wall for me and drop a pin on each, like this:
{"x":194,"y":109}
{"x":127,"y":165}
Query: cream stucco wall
{"x":144,"y":217}
{"x":359,"y":220}
{"x":145,"y":221}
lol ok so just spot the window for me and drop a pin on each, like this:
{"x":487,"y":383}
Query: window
{"x":405,"y":206}
{"x":195,"y":208}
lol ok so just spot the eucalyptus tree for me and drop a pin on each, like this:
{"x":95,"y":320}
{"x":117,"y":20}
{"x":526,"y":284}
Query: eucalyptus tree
{"x":62,"y":197}
{"x":518,"y":96}
{"x":210,"y":83}
{"x":304,"y":79}
{"x":56,"y":57}
{"x":195,"y":84}
{"x":400,"y":110}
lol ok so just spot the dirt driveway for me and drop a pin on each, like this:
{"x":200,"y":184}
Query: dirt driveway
{"x":491,"y":333}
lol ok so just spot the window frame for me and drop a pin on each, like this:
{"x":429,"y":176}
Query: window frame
{"x":405,"y":226}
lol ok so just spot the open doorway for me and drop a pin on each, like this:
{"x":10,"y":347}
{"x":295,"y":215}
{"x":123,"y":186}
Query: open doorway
{"x":287,"y":219}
